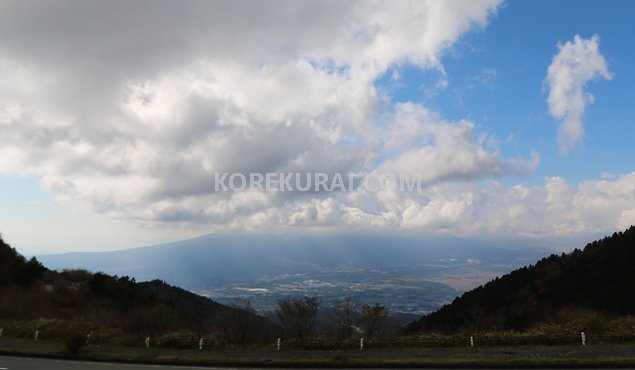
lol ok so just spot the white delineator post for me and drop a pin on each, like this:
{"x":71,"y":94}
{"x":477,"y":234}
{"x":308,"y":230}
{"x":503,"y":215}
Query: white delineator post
{"x":147,"y":342}
{"x":200,"y":343}
{"x":361,"y":344}
{"x":583,"y":338}
{"x":36,"y":335}
{"x":471,"y":341}
{"x":278,"y":344}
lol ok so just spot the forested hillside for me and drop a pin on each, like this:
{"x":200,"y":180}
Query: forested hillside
{"x":600,"y":278}
{"x":61,"y":303}
{"x":15,"y":269}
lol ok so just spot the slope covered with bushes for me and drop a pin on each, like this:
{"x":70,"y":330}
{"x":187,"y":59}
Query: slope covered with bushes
{"x":599,"y":279}
{"x":61,"y":304}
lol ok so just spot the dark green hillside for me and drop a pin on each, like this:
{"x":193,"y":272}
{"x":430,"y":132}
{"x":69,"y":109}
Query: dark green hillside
{"x":600,"y":278}
{"x":61,"y":303}
{"x":15,"y":269}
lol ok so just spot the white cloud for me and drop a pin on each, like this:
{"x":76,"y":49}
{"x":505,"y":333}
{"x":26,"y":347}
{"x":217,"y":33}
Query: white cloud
{"x":129,"y":112}
{"x":419,"y":141}
{"x":577,"y":62}
{"x":555,"y":208}
{"x":486,"y":77}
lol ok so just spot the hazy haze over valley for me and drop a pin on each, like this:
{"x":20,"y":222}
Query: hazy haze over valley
{"x":406,"y":273}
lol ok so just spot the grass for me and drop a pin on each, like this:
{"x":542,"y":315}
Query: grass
{"x":561,"y":356}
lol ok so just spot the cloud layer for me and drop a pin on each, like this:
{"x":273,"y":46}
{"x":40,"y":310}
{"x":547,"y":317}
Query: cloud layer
{"x":577,"y":62}
{"x":130,"y":108}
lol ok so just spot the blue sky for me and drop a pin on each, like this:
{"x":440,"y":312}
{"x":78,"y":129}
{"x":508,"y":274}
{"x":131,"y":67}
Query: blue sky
{"x":115,"y":147}
{"x":513,"y":54}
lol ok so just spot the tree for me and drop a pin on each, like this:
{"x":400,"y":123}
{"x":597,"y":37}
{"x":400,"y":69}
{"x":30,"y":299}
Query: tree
{"x":31,"y":272}
{"x":346,"y":318}
{"x":241,"y":321}
{"x":99,"y":284}
{"x":15,"y":269}
{"x":374,"y":316}
{"x":298,"y":316}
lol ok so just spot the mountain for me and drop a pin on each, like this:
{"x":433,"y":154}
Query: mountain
{"x":408,"y":273}
{"x":599,"y":278}
{"x":60,"y":303}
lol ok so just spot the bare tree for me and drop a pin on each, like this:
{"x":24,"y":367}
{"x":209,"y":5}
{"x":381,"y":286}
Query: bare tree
{"x":298,"y":316}
{"x":241,"y":321}
{"x":374,"y":316}
{"x":346,"y":318}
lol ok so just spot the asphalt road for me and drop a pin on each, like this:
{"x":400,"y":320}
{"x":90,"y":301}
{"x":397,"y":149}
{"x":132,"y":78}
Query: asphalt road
{"x":24,"y":363}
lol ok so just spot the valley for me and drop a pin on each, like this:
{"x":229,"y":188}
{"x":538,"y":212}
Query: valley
{"x":407,"y":274}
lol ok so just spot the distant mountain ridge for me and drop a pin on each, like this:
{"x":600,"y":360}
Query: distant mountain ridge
{"x":601,"y":278}
{"x":223,"y":258}
{"x":409,"y":273}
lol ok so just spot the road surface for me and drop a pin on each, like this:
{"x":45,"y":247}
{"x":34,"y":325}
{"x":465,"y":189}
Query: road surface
{"x":25,"y":363}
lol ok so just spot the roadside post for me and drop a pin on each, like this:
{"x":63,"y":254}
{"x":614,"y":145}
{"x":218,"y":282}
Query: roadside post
{"x":471,"y":341}
{"x":147,"y":342}
{"x":583,"y":338}
{"x":361,"y":344}
{"x":36,"y":335}
{"x":278,"y":344}
{"x":200,"y":343}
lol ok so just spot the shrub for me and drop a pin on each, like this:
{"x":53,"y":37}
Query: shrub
{"x":74,"y":343}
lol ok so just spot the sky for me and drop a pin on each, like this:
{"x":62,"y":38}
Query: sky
{"x":116,"y":116}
